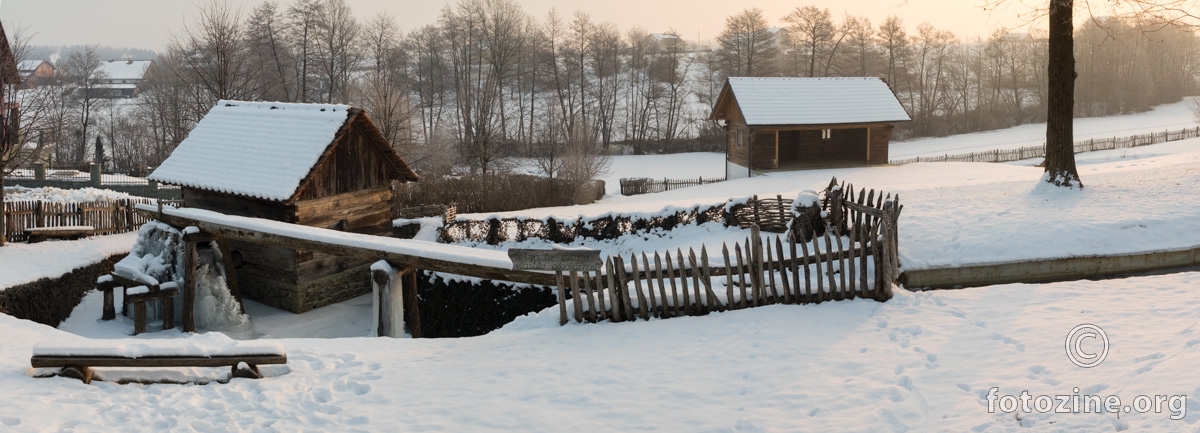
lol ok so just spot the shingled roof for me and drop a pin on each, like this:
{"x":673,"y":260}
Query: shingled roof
{"x":809,"y":101}
{"x":265,"y":150}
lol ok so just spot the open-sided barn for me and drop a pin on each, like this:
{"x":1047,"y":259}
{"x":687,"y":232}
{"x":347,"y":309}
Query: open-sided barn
{"x":311,"y":164}
{"x":792,"y":123}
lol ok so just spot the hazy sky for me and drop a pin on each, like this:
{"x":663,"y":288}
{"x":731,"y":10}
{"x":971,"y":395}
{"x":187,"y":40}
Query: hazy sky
{"x":149,"y":23}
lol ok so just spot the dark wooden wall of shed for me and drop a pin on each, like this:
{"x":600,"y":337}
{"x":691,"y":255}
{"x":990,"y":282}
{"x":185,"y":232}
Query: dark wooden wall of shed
{"x":739,"y":153}
{"x":355,"y":164}
{"x":807,"y":145}
{"x":880,"y":135}
{"x":763,"y":149}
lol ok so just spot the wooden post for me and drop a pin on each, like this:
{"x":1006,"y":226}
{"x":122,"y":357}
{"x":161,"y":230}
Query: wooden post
{"x":741,"y":266}
{"x":699,"y":309}
{"x":783,"y":276}
{"x":231,"y":279}
{"x":388,"y":294}
{"x":412,"y":311}
{"x":562,"y":298}
{"x":590,"y":314}
{"x":603,"y":313}
{"x":189,"y":286}
{"x":710,"y":295}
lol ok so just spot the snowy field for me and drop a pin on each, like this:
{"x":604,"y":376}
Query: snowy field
{"x":923,"y":361}
{"x":1134,"y":200}
{"x":920,"y":362}
{"x":1168,"y":117}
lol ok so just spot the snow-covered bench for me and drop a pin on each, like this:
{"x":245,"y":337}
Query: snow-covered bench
{"x":77,"y":357}
{"x":38,"y":234}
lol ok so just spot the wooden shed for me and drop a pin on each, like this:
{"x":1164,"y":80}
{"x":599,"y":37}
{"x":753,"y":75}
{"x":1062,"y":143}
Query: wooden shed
{"x":311,"y":164}
{"x":795,"y":123}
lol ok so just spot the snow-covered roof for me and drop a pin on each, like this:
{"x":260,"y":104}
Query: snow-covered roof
{"x":810,"y":101}
{"x":29,"y":65}
{"x":125,"y":69}
{"x":255,"y":149}
{"x":263,"y":149}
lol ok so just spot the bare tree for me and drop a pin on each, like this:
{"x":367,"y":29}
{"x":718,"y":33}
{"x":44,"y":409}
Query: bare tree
{"x":269,"y":49}
{"x":302,"y":20}
{"x":813,"y":33}
{"x":746,"y":47}
{"x":214,"y":58}
{"x":337,"y":53}
{"x":84,"y":72}
{"x":383,"y":89}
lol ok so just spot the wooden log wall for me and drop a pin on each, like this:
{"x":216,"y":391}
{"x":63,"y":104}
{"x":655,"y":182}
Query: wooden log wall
{"x":107,"y":217}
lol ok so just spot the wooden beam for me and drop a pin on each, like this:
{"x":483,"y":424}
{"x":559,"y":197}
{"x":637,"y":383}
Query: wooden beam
{"x":398,"y":260}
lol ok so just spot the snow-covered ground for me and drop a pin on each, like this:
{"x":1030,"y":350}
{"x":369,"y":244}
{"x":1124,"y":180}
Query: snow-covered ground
{"x":22,"y":263}
{"x":1168,"y":117}
{"x":922,"y":361}
{"x":59,"y":195}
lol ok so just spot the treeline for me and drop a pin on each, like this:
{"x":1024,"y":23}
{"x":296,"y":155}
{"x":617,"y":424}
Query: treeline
{"x":487,"y":80}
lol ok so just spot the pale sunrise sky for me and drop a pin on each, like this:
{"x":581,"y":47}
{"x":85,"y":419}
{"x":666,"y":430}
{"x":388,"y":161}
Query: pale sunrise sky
{"x":149,"y":23}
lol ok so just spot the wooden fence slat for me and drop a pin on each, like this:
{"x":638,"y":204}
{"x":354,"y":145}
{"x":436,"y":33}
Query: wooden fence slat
{"x":614,"y":295}
{"x":687,"y":301}
{"x":695,"y":271}
{"x":751,"y":271}
{"x":809,"y":295}
{"x":575,"y":297}
{"x":769,"y":267}
{"x":591,"y":314}
{"x":637,"y":286}
{"x":710,"y":294}
{"x":664,"y":304}
{"x":675,"y":307}
{"x":623,"y":283}
{"x":795,"y":267}
{"x":741,"y":276}
{"x":841,"y":260}
{"x":602,"y":313}
{"x":783,"y":273}
{"x":833,"y":288}
{"x":655,"y":306}
{"x":729,"y":302}
{"x":816,"y":241}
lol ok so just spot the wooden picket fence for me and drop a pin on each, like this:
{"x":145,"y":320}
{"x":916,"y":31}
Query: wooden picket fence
{"x":107,"y":217}
{"x":646,"y":185}
{"x":1089,"y":145}
{"x":853,"y":256}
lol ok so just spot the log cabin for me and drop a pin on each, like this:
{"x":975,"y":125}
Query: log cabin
{"x":317,"y":165}
{"x":774,"y":124}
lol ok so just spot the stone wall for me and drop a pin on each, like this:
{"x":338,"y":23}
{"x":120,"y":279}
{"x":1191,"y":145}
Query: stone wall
{"x":49,"y":301}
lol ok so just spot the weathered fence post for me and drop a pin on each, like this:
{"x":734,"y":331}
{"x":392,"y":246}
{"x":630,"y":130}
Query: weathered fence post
{"x":387,"y":294}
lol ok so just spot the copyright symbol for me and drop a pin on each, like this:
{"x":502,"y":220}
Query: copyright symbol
{"x":1075,"y":342}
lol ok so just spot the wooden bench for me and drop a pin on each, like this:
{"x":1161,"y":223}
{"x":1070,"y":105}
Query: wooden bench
{"x":137,"y":293}
{"x":38,"y":234}
{"x":76,"y":361}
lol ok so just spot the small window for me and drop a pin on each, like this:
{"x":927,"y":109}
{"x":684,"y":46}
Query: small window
{"x":826,"y":134}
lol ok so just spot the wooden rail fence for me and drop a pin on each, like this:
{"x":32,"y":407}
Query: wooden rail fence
{"x":107,"y":217}
{"x":646,"y":185}
{"x":1089,"y":145}
{"x":855,"y":256}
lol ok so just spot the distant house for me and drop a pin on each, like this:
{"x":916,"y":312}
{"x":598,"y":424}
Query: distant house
{"x":122,"y":77}
{"x":310,"y":164}
{"x":35,"y":72}
{"x":793,"y":123}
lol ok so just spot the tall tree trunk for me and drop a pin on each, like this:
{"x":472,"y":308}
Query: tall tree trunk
{"x":3,"y":220}
{"x":1060,"y":137}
